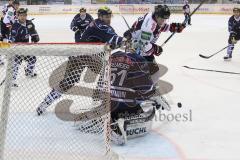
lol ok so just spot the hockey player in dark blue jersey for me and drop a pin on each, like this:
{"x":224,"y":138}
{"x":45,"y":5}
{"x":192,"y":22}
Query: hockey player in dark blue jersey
{"x":134,"y":97}
{"x":99,"y":30}
{"x":131,"y":87}
{"x":147,"y":29}
{"x":22,"y":29}
{"x":234,"y":30}
{"x":186,"y":12}
{"x":80,"y":22}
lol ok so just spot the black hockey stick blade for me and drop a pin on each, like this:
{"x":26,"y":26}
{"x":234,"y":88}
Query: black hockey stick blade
{"x":2,"y":82}
{"x":206,"y":57}
{"x":211,"y":70}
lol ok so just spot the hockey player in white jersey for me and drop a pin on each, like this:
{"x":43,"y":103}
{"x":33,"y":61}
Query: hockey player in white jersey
{"x":8,"y":20}
{"x":145,"y":32}
{"x":3,"y":26}
{"x":6,"y":6}
{"x":147,"y":29}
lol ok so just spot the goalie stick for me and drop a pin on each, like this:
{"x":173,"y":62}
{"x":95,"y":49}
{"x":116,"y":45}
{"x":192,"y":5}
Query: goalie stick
{"x":211,"y":70}
{"x":206,"y":57}
{"x":184,"y":22}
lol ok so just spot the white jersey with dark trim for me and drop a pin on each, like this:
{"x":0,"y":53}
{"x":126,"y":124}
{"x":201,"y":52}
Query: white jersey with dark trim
{"x":10,"y":16}
{"x":147,"y":31}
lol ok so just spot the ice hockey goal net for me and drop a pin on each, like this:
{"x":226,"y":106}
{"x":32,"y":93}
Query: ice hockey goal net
{"x":54,"y":136}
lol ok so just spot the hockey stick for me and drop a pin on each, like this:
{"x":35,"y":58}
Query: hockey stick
{"x":206,"y":57}
{"x":125,"y":21}
{"x":184,"y":22}
{"x":211,"y":70}
{"x":2,"y":82}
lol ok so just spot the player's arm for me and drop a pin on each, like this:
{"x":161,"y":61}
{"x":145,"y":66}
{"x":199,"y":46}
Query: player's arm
{"x":8,"y":18}
{"x":32,"y":31}
{"x":4,"y":9}
{"x":230,"y":25}
{"x":153,"y":49}
{"x":73,"y":25}
{"x":173,"y":27}
{"x":90,"y":17}
{"x":109,"y":36}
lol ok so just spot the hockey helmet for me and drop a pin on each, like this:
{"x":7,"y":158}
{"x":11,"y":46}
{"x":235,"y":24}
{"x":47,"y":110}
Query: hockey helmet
{"x":236,"y":9}
{"x":185,"y":1}
{"x":104,"y":11}
{"x":82,"y":9}
{"x":22,"y":11}
{"x":16,"y":2}
{"x":162,"y":11}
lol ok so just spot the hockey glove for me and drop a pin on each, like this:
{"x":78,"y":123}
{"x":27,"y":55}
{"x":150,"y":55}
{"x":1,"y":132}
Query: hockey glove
{"x":232,"y":39}
{"x":128,"y":34}
{"x":75,"y":29}
{"x":35,"y":38}
{"x":177,"y":27}
{"x":157,"y":50}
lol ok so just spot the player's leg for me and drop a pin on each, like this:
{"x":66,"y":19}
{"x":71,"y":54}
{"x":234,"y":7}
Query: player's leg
{"x":229,"y":52}
{"x":16,"y":64}
{"x":230,"y":47}
{"x":189,"y":19}
{"x":71,"y":76}
{"x":31,"y":62}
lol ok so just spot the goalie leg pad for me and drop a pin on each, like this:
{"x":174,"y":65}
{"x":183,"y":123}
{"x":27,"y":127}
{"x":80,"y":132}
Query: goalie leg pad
{"x":140,"y":125}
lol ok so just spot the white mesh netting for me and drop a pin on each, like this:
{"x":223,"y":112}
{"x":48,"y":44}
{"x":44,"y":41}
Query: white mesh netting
{"x":81,"y":74}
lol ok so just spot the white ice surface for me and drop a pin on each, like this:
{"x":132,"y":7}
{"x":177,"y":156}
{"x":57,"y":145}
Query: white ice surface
{"x":212,"y":97}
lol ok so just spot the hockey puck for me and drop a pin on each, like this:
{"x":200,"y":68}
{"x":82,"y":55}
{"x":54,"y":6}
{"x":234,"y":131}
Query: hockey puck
{"x":179,"y":104}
